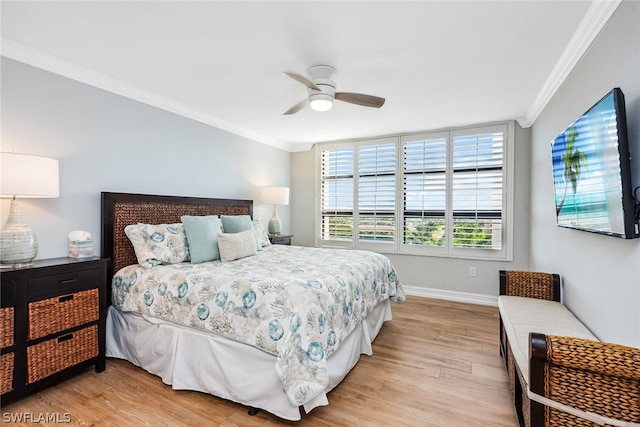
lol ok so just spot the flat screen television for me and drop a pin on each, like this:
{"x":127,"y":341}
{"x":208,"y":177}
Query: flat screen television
{"x":592,"y":171}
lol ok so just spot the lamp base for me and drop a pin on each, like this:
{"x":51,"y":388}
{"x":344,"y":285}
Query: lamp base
{"x":275,"y":225}
{"x":18,"y":242}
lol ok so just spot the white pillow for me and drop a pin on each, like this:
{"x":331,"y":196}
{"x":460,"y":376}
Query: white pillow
{"x":236,"y":245}
{"x":261,"y":234}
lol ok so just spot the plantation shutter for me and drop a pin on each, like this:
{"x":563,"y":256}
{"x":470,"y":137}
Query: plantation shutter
{"x":337,"y":194}
{"x":444,"y":193}
{"x":425,"y":191}
{"x":376,"y":192}
{"x":477,"y":189}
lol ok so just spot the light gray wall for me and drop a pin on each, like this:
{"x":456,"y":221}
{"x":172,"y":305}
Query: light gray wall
{"x":106,"y":142}
{"x":422,"y":272}
{"x":303,"y":203}
{"x":601,"y":274}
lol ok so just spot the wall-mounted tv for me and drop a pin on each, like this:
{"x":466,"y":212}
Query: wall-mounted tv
{"x":592,"y":171}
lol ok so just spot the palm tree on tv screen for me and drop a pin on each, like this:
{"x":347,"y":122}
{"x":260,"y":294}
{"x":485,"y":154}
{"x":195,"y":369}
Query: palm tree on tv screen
{"x":573,"y":160}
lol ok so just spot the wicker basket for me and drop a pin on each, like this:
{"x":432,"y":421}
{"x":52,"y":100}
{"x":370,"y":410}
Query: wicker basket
{"x":6,"y":372}
{"x":54,"y":355}
{"x":53,"y":315}
{"x":6,"y":332}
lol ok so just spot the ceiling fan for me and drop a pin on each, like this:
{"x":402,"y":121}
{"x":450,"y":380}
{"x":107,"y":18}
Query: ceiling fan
{"x":322,"y":91}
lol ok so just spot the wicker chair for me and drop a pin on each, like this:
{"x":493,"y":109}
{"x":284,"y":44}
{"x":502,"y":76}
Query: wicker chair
{"x":596,"y":377}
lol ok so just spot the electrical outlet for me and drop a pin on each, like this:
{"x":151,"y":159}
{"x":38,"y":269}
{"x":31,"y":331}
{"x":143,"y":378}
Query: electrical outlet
{"x":472,"y":271}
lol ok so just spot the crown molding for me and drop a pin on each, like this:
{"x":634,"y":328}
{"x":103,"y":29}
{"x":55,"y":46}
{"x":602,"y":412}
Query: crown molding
{"x":28,"y":55}
{"x":301,"y":147}
{"x":592,"y":23}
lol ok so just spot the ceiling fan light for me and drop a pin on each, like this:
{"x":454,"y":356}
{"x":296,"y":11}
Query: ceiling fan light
{"x":321,"y":102}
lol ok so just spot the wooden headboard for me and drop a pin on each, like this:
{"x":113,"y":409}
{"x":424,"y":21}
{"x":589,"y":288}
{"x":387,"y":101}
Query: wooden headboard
{"x":122,"y":209}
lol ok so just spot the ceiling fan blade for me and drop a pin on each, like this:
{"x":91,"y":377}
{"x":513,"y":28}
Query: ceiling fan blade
{"x":299,"y":106}
{"x":305,"y":81}
{"x":360,"y":99}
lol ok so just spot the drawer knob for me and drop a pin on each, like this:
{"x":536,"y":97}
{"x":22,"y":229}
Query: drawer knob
{"x":64,"y":282}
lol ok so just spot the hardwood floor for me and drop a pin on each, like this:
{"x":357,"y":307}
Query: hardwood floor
{"x":435,"y":364}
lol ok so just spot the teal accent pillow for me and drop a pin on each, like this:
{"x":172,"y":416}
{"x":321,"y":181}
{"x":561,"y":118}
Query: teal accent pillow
{"x":202,"y":235}
{"x":239,"y":223}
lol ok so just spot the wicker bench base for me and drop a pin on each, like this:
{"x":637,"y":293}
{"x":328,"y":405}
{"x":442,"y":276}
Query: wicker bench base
{"x":517,"y":384}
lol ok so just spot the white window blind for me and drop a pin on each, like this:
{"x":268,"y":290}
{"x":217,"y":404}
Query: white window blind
{"x":477,"y":187}
{"x":439,"y":193}
{"x":376,"y":192}
{"x":337,"y":194}
{"x":425,"y":195}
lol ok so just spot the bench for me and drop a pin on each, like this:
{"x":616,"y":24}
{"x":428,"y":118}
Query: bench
{"x":557,"y":369}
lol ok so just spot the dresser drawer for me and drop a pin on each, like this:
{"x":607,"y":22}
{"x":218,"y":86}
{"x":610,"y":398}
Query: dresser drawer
{"x":280,"y":239}
{"x":65,"y":283}
{"x":54,"y":355}
{"x":7,"y":321}
{"x":8,"y":293}
{"x":56,"y":314}
{"x":7,"y":362}
{"x":52,"y":319}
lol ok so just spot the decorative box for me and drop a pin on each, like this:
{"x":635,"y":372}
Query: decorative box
{"x":80,"y":249}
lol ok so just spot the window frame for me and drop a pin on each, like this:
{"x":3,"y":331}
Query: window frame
{"x":505,"y":253}
{"x":318,"y":232}
{"x":376,"y":246}
{"x":415,"y":249}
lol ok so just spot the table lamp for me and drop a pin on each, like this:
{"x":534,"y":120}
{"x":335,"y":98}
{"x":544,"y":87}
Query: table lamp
{"x":23,"y":176}
{"x":277,"y":196}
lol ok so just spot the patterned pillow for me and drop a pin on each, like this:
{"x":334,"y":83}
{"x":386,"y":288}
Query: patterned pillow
{"x":261,"y":233}
{"x":156,"y":244}
{"x":236,"y":245}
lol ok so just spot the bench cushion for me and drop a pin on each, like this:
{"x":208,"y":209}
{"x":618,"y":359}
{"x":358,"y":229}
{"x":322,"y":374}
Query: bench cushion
{"x":522,"y":315}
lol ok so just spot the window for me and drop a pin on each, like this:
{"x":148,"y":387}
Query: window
{"x":439,"y":193}
{"x":477,"y":190}
{"x":425,"y":190}
{"x":377,"y":192}
{"x":358,"y":196}
{"x":337,"y":195}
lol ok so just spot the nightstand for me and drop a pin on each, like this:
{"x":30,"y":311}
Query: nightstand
{"x":52,"y":323}
{"x":280,"y":239}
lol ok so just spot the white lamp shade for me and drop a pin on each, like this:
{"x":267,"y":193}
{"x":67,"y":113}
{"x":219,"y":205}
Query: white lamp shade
{"x":23,"y":175}
{"x":275,"y":195}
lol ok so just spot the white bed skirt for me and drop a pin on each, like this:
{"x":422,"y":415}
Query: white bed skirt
{"x":190,"y":359}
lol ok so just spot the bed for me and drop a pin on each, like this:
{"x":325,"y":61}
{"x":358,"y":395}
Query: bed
{"x":276,"y":330}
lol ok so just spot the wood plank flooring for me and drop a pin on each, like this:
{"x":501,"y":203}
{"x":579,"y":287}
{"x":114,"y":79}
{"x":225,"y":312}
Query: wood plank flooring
{"x":435,"y":364}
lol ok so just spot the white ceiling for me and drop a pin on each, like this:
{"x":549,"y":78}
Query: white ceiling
{"x":438,"y":63}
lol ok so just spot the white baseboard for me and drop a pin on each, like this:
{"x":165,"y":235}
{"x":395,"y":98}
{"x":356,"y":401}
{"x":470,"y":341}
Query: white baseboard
{"x":451,"y":295}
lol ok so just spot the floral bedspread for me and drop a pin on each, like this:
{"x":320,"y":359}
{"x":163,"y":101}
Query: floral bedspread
{"x":296,"y":303}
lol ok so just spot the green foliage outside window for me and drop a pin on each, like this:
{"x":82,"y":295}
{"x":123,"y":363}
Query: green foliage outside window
{"x":469,"y":233}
